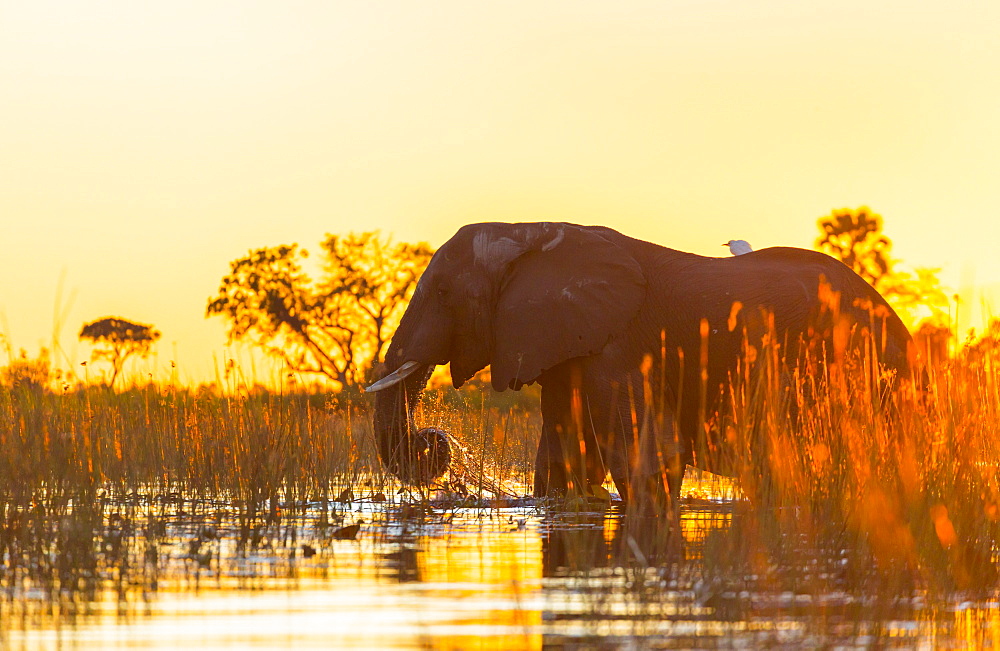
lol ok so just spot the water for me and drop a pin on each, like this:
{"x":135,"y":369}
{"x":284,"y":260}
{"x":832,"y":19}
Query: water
{"x":459,"y":577}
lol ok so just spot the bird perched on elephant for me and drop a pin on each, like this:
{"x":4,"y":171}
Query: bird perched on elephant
{"x":739,"y":247}
{"x":612,"y":328}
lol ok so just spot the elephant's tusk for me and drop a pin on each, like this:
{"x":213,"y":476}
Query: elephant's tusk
{"x":396,"y":376}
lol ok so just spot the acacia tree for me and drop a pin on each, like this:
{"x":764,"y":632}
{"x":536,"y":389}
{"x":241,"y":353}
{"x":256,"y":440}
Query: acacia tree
{"x":116,"y":339}
{"x":337,"y":326}
{"x":855,"y":237}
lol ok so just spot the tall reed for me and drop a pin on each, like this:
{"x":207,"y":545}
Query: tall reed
{"x":891,"y":481}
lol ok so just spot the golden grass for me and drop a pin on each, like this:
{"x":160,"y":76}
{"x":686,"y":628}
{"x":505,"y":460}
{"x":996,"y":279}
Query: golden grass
{"x":847,"y":487}
{"x":899,"y":488}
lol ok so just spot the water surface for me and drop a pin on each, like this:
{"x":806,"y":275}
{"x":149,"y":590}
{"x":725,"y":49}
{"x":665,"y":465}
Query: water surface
{"x":451,"y":577}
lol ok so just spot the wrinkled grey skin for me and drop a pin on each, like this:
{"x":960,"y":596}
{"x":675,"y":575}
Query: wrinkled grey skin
{"x":577,"y":309}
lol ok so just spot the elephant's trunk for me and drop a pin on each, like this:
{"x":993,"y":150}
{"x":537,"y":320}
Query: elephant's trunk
{"x":415,"y":457}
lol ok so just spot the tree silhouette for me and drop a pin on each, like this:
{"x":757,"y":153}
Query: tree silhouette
{"x":338,"y":326}
{"x":116,"y":339}
{"x":25,"y":372}
{"x":985,"y":349}
{"x":855,"y":237}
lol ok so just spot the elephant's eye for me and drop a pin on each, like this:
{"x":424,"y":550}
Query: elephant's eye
{"x":442,"y":292}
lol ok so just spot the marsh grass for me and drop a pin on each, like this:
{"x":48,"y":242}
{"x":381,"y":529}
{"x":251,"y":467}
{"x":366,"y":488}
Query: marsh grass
{"x":94,"y":484}
{"x":863,"y":510}
{"x":841,"y":487}
{"x":866,"y":498}
{"x":897,"y":485}
{"x":859,"y":499}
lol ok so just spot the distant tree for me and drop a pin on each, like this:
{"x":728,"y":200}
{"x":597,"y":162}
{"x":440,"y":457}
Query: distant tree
{"x":116,"y":339}
{"x":985,"y":348}
{"x":25,"y":372}
{"x":855,"y":237}
{"x":337,"y":326}
{"x":919,"y":298}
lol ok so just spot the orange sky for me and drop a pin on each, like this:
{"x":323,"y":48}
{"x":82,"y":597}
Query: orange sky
{"x":144,"y":146}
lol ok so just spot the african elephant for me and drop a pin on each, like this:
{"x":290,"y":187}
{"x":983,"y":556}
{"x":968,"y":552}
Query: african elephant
{"x":603,"y":322}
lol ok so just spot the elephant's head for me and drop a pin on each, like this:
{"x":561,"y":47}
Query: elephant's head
{"x":521,"y":298}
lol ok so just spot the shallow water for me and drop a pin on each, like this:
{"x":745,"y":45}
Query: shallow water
{"x":457,"y":577}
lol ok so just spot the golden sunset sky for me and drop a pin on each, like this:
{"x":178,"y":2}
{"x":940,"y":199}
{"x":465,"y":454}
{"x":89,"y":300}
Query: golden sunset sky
{"x":144,"y":146}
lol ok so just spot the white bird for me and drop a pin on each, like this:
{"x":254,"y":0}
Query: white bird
{"x":738,"y":247}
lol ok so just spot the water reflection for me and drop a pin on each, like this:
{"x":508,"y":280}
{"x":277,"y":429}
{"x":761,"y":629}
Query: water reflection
{"x":581,"y":542}
{"x":451,"y":577}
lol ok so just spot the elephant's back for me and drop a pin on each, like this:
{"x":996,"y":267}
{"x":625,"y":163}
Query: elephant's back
{"x":784,"y":258}
{"x":782,"y":265}
{"x":807,"y":270}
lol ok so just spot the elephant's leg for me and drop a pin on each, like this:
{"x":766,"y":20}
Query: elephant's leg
{"x":674,"y":458}
{"x":569,"y":458}
{"x":650,"y":478}
{"x":550,"y":470}
{"x":595,"y":459}
{"x":618,"y":460}
{"x":646,"y":457}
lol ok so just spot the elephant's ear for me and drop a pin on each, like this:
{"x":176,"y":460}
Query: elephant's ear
{"x":561,"y":302}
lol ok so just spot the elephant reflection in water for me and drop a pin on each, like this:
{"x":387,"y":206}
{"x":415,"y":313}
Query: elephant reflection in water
{"x":577,"y":545}
{"x":631,"y":342}
{"x":581,"y":542}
